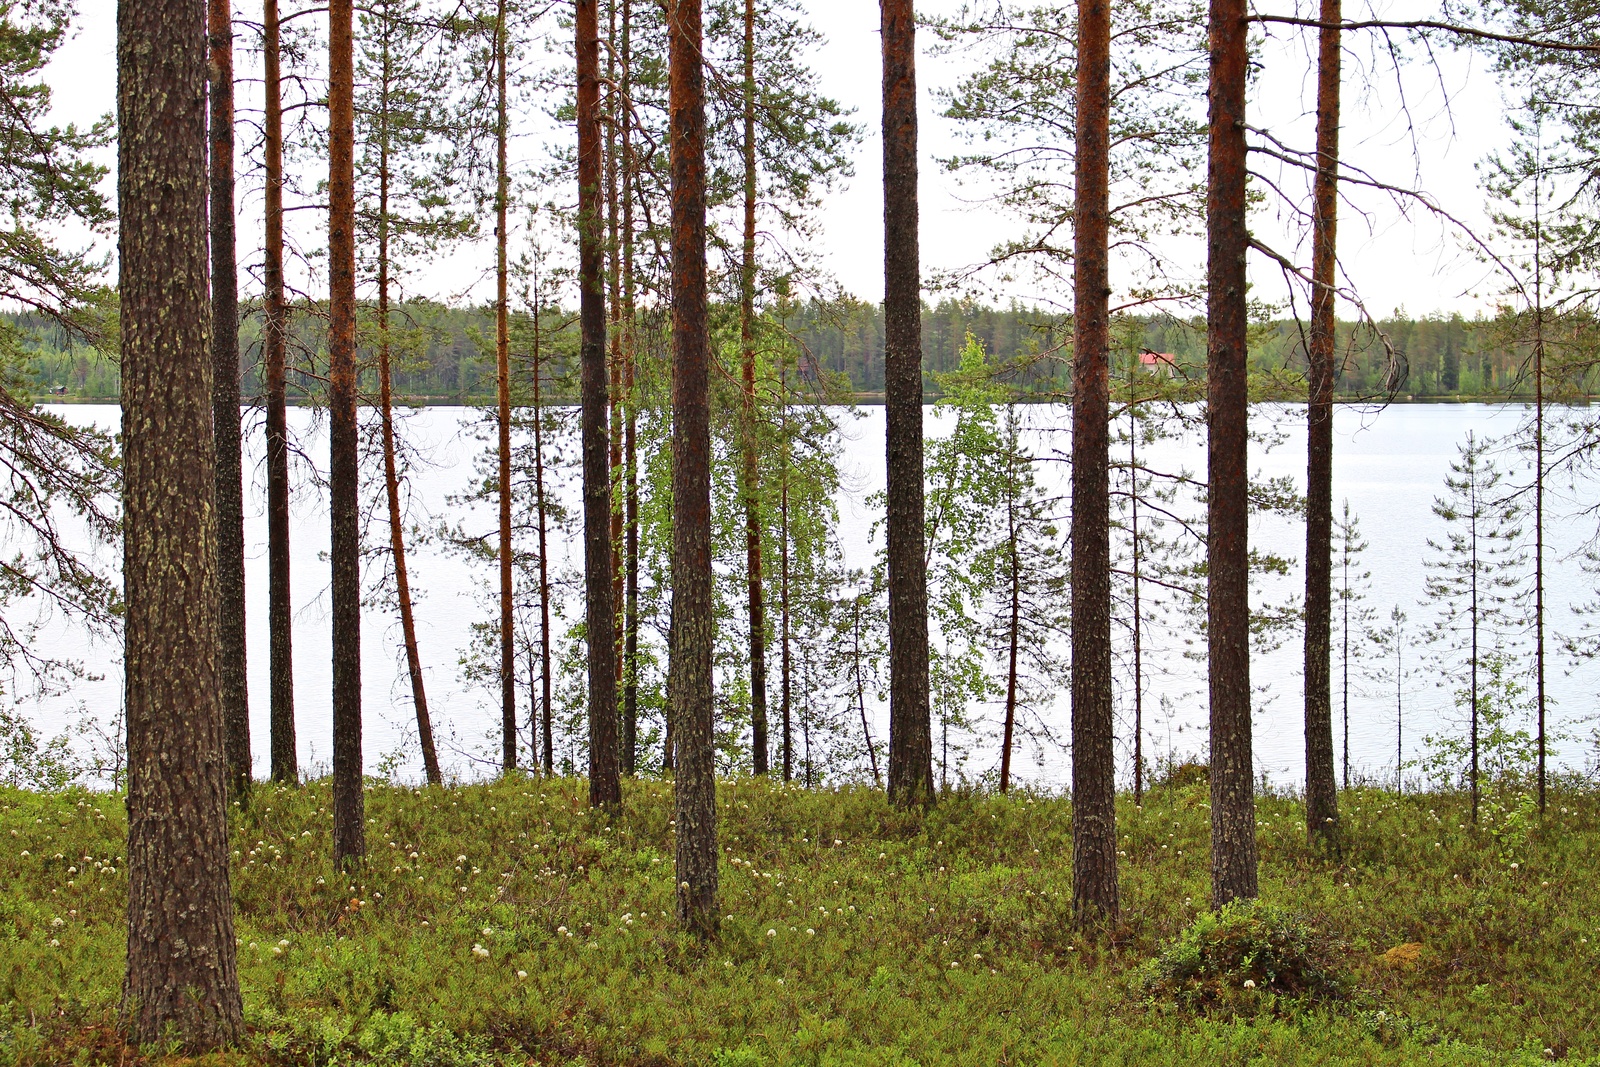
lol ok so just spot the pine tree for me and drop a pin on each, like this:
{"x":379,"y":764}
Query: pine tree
{"x":605,"y":786}
{"x":1233,"y":837}
{"x":225,"y":402}
{"x":274,"y":359}
{"x":1322,"y":795}
{"x":910,"y":728}
{"x":1354,"y":616}
{"x":1475,"y":580}
{"x":349,"y":820}
{"x":692,"y":622}
{"x":182,"y":981}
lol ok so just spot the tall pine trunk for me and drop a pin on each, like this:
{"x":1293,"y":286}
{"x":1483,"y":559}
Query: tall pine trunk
{"x":695,"y":802}
{"x":910,"y":729}
{"x":1094,"y":782}
{"x":349,"y":822}
{"x":1322,"y":793}
{"x":1233,"y":835}
{"x":225,"y":407}
{"x":605,"y":786}
{"x":630,"y":621}
{"x":615,"y":119}
{"x":747,"y":343}
{"x":181,"y":979}
{"x":502,"y":363}
{"x":391,"y":476}
{"x":1138,"y":616}
{"x":274,"y":357}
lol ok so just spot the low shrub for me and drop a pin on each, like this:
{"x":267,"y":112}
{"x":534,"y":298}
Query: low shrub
{"x":1245,"y":956}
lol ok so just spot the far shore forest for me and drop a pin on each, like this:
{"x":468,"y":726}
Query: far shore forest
{"x":841,"y":346}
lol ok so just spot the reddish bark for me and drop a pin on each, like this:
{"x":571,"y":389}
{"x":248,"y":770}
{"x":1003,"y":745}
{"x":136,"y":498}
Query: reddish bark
{"x":1233,"y":840}
{"x":910,"y":728}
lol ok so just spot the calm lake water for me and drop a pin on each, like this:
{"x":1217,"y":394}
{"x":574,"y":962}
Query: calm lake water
{"x":1389,"y":464}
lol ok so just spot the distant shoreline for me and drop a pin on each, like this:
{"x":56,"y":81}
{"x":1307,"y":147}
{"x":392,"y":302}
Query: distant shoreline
{"x":861,"y":400}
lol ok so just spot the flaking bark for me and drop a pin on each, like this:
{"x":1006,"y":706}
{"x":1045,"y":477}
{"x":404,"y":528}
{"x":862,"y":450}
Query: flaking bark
{"x":1094,"y":786}
{"x":605,"y":786}
{"x":349,"y":822}
{"x":274,"y":345}
{"x":1322,"y":794}
{"x":910,"y":728}
{"x":181,"y":979}
{"x":225,"y":406}
{"x":693,"y":633}
{"x":1233,"y":837}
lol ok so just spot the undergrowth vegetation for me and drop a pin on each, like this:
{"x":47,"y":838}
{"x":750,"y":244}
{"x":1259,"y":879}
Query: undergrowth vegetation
{"x":509,"y":924}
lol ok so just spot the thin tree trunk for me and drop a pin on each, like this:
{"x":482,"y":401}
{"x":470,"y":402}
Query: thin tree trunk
{"x":274,"y":345}
{"x":630,"y":621}
{"x":861,"y":695}
{"x":1094,"y":783}
{"x":181,"y":979}
{"x":747,"y":342}
{"x":544,"y":545}
{"x":605,"y":786}
{"x":783,"y":566}
{"x":614,"y":366}
{"x":1322,"y":794}
{"x":502,"y":363}
{"x":349,"y":821}
{"x":391,"y":477}
{"x":1233,"y":837}
{"x":1472,"y":614}
{"x":692,"y":622}
{"x":910,"y":728}
{"x":1538,"y":468}
{"x":1344,"y":658}
{"x":225,"y":407}
{"x":1013,"y":637}
{"x":1138,"y":615}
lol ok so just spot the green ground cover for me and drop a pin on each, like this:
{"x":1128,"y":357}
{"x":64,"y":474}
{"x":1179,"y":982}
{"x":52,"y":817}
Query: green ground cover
{"x":506,"y":923}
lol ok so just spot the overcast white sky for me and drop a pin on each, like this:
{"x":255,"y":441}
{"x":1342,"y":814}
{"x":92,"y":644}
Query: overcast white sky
{"x":1413,"y":262}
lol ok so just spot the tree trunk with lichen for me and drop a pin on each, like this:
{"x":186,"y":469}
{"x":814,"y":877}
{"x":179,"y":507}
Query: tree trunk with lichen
{"x":225,"y":406}
{"x":910,"y":728}
{"x":349,"y":821}
{"x":274,"y":356}
{"x":1322,"y":793}
{"x":1233,"y":833}
{"x":605,"y":785}
{"x":692,"y":610}
{"x":181,"y":978}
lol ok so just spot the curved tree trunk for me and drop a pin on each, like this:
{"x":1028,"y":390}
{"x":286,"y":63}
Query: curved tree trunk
{"x":695,"y":802}
{"x":349,"y":821}
{"x":225,"y":407}
{"x":181,"y":979}
{"x":910,"y":728}
{"x":605,"y":786}
{"x":1322,"y":793}
{"x":274,"y":352}
{"x":391,"y":476}
{"x":1233,"y":813}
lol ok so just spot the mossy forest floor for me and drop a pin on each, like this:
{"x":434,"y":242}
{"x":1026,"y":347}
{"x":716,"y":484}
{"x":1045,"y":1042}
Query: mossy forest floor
{"x":508,"y":924}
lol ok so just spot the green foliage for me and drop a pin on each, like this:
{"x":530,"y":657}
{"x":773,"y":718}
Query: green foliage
{"x":1229,"y":959}
{"x":1508,"y":753}
{"x":380,"y":967}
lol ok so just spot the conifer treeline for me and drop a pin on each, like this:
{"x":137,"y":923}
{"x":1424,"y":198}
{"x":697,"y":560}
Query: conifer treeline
{"x":1448,"y":357}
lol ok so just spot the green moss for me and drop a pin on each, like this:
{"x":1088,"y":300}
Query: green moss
{"x":893,"y":940}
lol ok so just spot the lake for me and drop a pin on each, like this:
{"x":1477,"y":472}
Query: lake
{"x":1389,"y":464}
